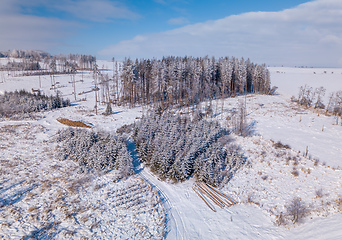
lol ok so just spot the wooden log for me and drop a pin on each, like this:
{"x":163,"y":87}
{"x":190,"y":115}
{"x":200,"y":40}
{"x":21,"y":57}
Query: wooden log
{"x":223,"y":195}
{"x":208,"y":194}
{"x":202,"y":197}
{"x":223,"y":200}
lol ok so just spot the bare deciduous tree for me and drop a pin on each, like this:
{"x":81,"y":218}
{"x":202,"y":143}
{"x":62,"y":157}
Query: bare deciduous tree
{"x":296,"y":209}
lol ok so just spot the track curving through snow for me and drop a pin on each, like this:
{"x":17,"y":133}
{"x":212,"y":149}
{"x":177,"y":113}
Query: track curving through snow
{"x":175,"y":228}
{"x":188,"y":217}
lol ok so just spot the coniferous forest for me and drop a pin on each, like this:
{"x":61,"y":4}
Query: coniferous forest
{"x":177,"y":81}
{"x":176,"y":148}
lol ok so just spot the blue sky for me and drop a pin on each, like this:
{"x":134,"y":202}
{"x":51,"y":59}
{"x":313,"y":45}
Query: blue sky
{"x":291,"y":32}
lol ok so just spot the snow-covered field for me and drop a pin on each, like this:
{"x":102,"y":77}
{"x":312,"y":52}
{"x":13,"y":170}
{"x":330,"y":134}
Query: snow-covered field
{"x":45,"y":198}
{"x":290,"y":79}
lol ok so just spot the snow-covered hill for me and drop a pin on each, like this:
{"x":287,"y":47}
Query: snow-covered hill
{"x":42,"y":197}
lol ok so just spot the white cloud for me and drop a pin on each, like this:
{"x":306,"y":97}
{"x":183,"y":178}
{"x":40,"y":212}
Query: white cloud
{"x":98,"y":11}
{"x":309,"y":34}
{"x":30,"y":32}
{"x":178,"y":21}
{"x":8,"y":6}
{"x":20,"y":29}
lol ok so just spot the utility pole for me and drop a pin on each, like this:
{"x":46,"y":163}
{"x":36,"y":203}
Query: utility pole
{"x":73,"y":72}
{"x":95,"y":75}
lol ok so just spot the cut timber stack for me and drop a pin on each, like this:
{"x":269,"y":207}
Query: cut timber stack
{"x":205,"y":191}
{"x":197,"y":191}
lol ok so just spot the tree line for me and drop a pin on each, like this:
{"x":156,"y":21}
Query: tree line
{"x":186,"y":81}
{"x":19,"y":102}
{"x":309,"y":97}
{"x":45,"y":63}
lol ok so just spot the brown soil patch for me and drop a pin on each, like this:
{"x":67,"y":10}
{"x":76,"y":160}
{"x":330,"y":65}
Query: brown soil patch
{"x":72,"y":123}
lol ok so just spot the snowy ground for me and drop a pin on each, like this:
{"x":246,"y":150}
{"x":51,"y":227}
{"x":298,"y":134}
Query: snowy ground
{"x":279,"y":119}
{"x":290,"y":79}
{"x":45,"y":198}
{"x":41,"y":196}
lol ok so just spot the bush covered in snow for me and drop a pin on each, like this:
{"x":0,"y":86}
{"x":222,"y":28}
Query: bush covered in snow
{"x":24,"y":102}
{"x":177,"y":148}
{"x":96,"y":150}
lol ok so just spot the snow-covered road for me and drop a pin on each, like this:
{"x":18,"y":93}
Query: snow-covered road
{"x":174,"y":224}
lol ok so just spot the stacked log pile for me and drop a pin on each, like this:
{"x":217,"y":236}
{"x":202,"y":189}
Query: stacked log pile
{"x":205,"y":192}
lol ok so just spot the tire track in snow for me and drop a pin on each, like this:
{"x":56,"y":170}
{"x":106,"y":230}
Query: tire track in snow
{"x":170,"y":208}
{"x":175,"y":224}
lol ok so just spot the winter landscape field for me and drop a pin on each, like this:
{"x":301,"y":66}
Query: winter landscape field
{"x":170,"y":119}
{"x":285,"y":182}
